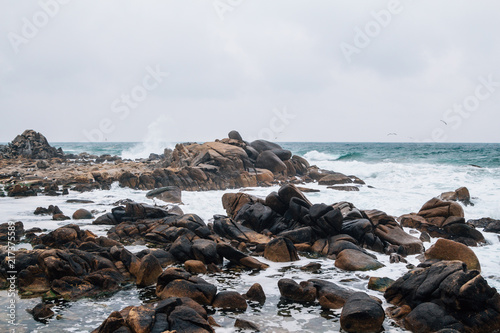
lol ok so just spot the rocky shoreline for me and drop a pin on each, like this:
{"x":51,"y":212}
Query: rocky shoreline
{"x":444,"y":292}
{"x":223,"y":164}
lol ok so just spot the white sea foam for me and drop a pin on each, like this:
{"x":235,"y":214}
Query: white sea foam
{"x":316,"y":156}
{"x":156,"y":140}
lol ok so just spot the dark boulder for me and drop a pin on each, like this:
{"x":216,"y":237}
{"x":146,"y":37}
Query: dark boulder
{"x":235,"y":135}
{"x":31,"y":144}
{"x":270,"y":161}
{"x":230,"y":300}
{"x":291,"y":290}
{"x":176,"y":282}
{"x":331,"y":295}
{"x":462,"y":294}
{"x":430,"y":317}
{"x":256,"y":294}
{"x":82,"y":214}
{"x":362,"y":314}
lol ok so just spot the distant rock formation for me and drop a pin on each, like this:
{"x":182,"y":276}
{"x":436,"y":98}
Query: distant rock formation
{"x":30,"y":144}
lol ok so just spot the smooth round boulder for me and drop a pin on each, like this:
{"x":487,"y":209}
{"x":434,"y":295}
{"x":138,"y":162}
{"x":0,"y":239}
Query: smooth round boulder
{"x":195,"y":267}
{"x":263,"y":145}
{"x":446,"y":249}
{"x":354,"y":260}
{"x":362,"y":314}
{"x":270,"y":161}
{"x":235,"y":135}
{"x":82,"y":214}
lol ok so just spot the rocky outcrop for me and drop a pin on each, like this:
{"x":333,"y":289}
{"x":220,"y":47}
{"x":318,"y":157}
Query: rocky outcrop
{"x":30,"y":144}
{"x":444,"y":219}
{"x":218,"y":165}
{"x":227,"y":163}
{"x":444,"y":295}
{"x":328,"y":229}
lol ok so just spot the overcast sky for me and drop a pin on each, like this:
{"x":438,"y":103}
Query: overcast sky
{"x":120,"y":70}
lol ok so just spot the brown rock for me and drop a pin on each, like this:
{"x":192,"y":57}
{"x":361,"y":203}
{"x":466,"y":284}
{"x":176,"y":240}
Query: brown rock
{"x":335,"y":178}
{"x":195,"y":267}
{"x":230,"y":300}
{"x":246,"y":325}
{"x":256,"y":294}
{"x":446,"y":249}
{"x":303,"y":292}
{"x":354,"y":260}
{"x":140,"y":319}
{"x":82,"y":214}
{"x":149,"y":270}
{"x":280,"y":250}
{"x":362,"y":314}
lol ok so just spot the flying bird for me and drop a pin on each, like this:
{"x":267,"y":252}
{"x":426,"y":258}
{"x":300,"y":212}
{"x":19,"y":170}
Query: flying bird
{"x":392,"y":134}
{"x":444,"y":122}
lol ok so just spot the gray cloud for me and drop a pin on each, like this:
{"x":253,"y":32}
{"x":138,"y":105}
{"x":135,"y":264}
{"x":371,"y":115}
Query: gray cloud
{"x":232,"y":74}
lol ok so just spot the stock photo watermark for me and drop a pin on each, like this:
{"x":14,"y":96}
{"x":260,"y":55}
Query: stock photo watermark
{"x":123,"y":105}
{"x":277,"y":125}
{"x":31,"y":26}
{"x":223,"y":7}
{"x":363,"y":36}
{"x":11,"y":277}
{"x":454,"y":116}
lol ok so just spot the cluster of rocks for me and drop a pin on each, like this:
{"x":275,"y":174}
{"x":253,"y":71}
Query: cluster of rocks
{"x":31,"y":145}
{"x":445,"y":219}
{"x":340,"y":231}
{"x":444,"y":295}
{"x":230,"y":163}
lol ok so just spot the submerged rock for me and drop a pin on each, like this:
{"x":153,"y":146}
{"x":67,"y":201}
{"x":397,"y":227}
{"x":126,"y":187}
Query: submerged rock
{"x":171,"y":194}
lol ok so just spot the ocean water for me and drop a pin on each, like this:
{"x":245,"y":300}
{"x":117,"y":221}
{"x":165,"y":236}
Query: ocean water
{"x":402,"y":177}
